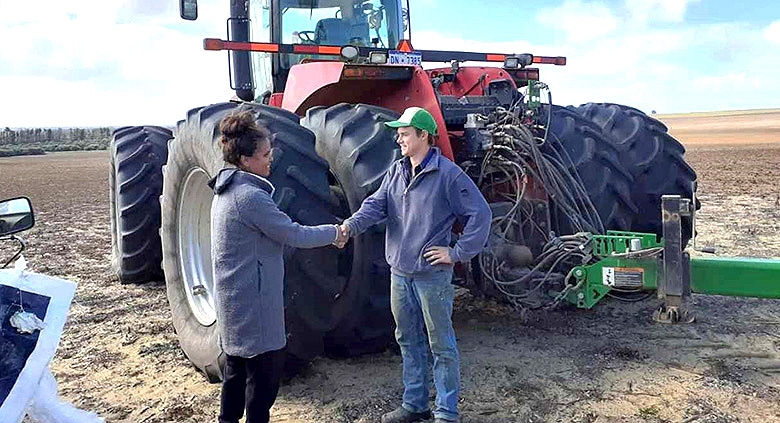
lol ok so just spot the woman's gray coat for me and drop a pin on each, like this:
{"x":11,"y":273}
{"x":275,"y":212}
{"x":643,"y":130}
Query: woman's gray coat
{"x":248,"y":233}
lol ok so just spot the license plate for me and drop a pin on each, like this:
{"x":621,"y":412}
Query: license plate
{"x":396,"y":57}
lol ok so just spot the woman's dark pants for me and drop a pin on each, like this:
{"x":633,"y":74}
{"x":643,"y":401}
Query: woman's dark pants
{"x":250,"y":383}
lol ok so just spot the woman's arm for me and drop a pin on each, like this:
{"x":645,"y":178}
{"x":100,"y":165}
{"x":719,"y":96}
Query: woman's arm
{"x":258,"y":211}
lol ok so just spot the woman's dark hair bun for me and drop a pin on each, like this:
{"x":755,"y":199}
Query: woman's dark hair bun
{"x":237,"y":124}
{"x":241,"y":135}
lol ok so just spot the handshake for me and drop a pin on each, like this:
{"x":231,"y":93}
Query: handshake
{"x":342,"y":236}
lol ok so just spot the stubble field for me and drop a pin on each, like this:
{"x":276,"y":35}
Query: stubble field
{"x":119,"y":356}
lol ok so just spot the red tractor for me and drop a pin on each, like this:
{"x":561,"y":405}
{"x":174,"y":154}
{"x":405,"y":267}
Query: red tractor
{"x":324,"y":75}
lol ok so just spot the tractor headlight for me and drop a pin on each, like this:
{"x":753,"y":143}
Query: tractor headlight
{"x":377,"y":57}
{"x":518,"y":61}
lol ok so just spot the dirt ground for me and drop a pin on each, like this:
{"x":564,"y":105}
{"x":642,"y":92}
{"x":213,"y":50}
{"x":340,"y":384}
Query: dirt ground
{"x":730,"y":127}
{"x":119,"y":356}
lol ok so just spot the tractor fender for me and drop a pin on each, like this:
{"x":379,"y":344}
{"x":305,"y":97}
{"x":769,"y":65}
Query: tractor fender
{"x":320,"y":84}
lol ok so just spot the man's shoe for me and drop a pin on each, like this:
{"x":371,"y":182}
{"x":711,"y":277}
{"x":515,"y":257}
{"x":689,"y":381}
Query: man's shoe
{"x":402,"y":415}
{"x":441,"y":420}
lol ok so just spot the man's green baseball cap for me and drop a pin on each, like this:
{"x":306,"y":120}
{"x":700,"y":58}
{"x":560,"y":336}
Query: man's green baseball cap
{"x":416,"y":117}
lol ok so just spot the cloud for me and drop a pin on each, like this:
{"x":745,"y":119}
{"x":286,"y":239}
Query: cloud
{"x":128,"y":62}
{"x":581,"y":21}
{"x":108,"y":63}
{"x":772,"y":32}
{"x":638,"y":59}
{"x":733,"y":79}
{"x":151,"y":8}
{"x":434,"y":40}
{"x":641,"y":12}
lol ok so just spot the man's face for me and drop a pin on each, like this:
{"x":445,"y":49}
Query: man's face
{"x":411,"y":143}
{"x":260,"y":162}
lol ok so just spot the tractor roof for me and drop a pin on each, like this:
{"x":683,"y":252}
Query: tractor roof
{"x":308,"y":4}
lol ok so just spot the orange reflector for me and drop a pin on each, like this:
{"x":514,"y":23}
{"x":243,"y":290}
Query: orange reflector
{"x":329,"y":50}
{"x":212,"y":44}
{"x":547,"y":60}
{"x":312,"y":49}
{"x":353,"y":72}
{"x":528,"y":73}
{"x":405,"y":46}
{"x":495,"y":57}
{"x":305,"y":49}
{"x":265,"y":47}
{"x":368,"y":72}
{"x":244,"y":46}
{"x":217,"y":44}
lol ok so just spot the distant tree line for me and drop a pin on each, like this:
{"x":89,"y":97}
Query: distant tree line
{"x":27,"y":141}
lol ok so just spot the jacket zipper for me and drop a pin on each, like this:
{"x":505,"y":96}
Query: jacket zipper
{"x":416,"y":177}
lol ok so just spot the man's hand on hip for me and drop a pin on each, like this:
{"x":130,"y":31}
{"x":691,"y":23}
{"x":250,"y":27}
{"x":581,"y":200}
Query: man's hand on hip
{"x":438,"y":255}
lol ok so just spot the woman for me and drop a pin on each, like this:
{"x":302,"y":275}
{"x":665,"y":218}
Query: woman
{"x":248,"y":233}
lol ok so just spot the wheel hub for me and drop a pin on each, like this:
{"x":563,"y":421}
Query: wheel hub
{"x":194,"y":240}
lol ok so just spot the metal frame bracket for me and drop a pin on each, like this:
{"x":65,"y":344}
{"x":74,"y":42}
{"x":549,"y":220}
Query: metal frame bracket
{"x":674,"y":282}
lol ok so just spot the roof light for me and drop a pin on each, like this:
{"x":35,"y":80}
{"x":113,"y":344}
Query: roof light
{"x":525,"y":59}
{"x":350,"y":52}
{"x":518,"y":61}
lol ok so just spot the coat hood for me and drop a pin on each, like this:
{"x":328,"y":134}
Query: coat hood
{"x":229,"y":176}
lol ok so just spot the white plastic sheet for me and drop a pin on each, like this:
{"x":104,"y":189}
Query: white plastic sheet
{"x":39,"y":305}
{"x":46,"y":408}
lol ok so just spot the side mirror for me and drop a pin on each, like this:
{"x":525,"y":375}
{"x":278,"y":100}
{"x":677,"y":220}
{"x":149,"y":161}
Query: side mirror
{"x":188,"y":9}
{"x":16,"y":215}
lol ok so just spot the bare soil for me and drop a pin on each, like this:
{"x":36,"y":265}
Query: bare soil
{"x":119,"y":355}
{"x":741,"y":127}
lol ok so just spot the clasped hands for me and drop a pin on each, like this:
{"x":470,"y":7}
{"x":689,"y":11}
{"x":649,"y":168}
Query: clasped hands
{"x":434,"y":255}
{"x":342,"y":237}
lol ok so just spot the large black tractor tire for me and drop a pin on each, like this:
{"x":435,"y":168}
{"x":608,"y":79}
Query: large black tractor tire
{"x":314,"y":281}
{"x":596,"y":162}
{"x":359,"y":149}
{"x":655,"y":159}
{"x":137,"y":154}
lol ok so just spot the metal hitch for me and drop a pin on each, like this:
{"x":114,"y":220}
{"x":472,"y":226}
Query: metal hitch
{"x":674,"y":283}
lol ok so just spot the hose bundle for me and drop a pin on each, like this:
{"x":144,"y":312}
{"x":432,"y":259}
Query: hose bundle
{"x":520,"y":149}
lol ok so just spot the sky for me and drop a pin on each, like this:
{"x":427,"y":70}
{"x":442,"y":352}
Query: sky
{"x":135,"y":62}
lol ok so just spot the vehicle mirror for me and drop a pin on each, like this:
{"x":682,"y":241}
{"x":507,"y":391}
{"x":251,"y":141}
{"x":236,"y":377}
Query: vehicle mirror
{"x":188,"y":9}
{"x":16,"y":215}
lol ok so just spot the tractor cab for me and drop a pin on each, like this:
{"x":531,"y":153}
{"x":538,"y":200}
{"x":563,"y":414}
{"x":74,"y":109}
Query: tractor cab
{"x":363,"y":23}
{"x":256,"y":75}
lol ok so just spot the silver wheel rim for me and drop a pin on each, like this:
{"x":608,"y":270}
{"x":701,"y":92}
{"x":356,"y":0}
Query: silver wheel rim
{"x":194,"y":233}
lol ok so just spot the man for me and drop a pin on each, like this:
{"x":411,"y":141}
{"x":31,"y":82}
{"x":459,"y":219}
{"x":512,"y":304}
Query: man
{"x":421,"y":196}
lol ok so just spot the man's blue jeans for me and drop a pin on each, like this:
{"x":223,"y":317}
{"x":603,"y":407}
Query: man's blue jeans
{"x":422,"y":308}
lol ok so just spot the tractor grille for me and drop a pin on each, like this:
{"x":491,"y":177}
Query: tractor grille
{"x":455,"y":109}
